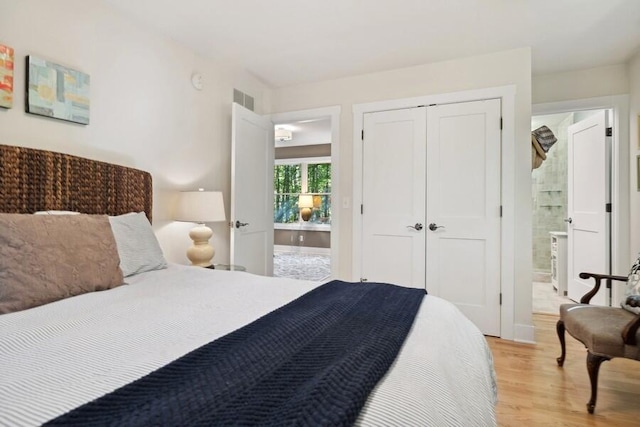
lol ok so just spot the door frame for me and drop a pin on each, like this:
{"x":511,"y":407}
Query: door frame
{"x":333,"y":113}
{"x":620,"y":167}
{"x":507,"y":239}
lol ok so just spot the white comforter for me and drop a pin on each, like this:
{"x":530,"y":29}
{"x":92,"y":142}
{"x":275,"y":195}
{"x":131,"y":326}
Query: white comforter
{"x":55,"y":357}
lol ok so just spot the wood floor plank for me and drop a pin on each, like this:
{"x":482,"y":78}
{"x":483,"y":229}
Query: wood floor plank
{"x":534,"y":391}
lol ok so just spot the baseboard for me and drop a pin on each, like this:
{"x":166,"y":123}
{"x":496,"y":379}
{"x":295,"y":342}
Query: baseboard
{"x":302,"y":249}
{"x":525,"y":334}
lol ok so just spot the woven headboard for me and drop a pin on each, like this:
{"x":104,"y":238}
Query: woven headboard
{"x":38,"y":180}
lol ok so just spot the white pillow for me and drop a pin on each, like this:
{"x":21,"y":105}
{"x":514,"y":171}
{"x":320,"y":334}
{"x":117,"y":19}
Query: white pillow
{"x":57,"y":213}
{"x":137,"y":244}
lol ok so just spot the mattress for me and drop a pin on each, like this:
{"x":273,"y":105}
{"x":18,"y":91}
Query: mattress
{"x":58,"y":356}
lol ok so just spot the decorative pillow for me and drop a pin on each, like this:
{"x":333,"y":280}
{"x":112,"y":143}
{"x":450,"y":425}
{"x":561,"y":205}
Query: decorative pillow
{"x":45,"y":258}
{"x":633,"y":287}
{"x":137,"y":244}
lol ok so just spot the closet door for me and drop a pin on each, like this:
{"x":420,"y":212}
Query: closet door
{"x":393,"y":194}
{"x":463,"y":209}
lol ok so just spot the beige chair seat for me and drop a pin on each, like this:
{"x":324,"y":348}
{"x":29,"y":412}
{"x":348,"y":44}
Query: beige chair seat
{"x":599,"y":329}
{"x":606,"y":332}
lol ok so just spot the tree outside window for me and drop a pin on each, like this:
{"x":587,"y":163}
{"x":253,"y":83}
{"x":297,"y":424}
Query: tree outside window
{"x":291,"y":180}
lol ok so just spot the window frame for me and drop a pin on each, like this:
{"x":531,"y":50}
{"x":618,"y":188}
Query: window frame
{"x":304,"y":178}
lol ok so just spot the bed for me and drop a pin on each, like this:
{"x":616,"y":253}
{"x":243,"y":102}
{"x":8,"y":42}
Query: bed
{"x":59,"y":355}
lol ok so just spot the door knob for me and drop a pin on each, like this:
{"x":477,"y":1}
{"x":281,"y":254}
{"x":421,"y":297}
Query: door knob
{"x":241,"y":224}
{"x":434,"y":227}
{"x":569,"y":220}
{"x":418,"y":226}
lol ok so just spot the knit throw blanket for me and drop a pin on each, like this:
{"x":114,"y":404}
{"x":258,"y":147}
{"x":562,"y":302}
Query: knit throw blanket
{"x":311,"y":362}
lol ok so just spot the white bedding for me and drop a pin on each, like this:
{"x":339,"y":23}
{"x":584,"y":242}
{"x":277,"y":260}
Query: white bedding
{"x":55,"y":357}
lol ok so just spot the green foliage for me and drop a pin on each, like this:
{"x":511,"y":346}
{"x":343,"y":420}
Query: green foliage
{"x":287,"y":185}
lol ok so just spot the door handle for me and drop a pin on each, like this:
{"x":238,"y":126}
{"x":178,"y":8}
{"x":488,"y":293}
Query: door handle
{"x":241,"y":224}
{"x":434,"y":227}
{"x":569,"y":220}
{"x":418,"y":226}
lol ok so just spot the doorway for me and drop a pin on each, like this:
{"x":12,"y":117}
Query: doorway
{"x":305,"y":213}
{"x":561,"y":189}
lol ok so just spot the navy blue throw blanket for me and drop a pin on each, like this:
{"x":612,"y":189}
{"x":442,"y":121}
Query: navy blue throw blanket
{"x":311,"y":362}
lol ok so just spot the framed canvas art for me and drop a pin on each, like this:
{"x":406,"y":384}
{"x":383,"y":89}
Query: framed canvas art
{"x":6,"y":76}
{"x":57,"y":91}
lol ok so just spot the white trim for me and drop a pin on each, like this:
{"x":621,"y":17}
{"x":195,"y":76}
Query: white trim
{"x":507,"y":261}
{"x":620,"y":167}
{"x":300,"y":160}
{"x":524,"y":334}
{"x":334,"y":114}
{"x":303,"y":249}
{"x":298,"y":226}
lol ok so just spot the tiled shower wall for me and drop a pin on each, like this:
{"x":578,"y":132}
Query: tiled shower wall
{"x":549,"y":192}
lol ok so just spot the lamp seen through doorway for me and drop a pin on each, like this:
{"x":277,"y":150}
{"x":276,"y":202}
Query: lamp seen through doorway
{"x":305,"y":203}
{"x":200,"y":207}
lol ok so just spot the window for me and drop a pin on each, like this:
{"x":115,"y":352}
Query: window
{"x":292,"y":178}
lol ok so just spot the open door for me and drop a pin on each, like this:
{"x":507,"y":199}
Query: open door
{"x":252,"y":151}
{"x":588,"y":221}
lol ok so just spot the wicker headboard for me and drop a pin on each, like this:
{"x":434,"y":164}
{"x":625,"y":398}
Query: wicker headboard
{"x":37,"y":180}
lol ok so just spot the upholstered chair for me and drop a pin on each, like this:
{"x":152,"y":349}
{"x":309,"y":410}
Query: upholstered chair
{"x":606,"y":332}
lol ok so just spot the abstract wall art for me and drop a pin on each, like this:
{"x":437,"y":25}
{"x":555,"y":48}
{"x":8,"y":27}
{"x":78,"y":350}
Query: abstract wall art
{"x":56,"y":91}
{"x":6,"y":76}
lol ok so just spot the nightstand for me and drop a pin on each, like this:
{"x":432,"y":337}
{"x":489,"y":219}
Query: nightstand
{"x":228,"y":267}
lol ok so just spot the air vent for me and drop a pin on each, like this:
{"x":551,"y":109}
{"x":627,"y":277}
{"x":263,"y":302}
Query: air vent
{"x":243,"y":99}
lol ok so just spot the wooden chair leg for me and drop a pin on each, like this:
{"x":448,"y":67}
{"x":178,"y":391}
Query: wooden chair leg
{"x":560,"y":331}
{"x":593,"y":366}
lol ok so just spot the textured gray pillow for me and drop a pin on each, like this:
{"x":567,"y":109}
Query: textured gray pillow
{"x":45,"y":258}
{"x":137,"y":244}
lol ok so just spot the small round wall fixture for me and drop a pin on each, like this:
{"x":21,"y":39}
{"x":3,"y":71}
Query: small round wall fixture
{"x":197,"y":81}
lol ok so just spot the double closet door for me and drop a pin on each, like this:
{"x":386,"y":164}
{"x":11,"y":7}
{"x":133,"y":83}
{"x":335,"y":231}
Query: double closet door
{"x":431,"y":204}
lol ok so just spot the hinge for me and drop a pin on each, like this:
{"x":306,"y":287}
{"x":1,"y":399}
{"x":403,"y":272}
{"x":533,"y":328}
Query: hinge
{"x":500,"y":298}
{"x":362,"y":134}
{"x":500,"y":211}
{"x":500,"y":123}
{"x":609,"y":132}
{"x":361,"y":209}
{"x":607,"y":207}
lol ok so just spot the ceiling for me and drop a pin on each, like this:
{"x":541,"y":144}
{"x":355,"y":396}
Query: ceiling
{"x":288,"y":42}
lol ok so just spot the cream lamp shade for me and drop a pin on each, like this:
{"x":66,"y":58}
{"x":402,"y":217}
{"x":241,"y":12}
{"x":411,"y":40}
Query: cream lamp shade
{"x":200,"y":206}
{"x":305,"y":203}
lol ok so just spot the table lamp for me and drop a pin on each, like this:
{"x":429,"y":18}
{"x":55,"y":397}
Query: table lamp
{"x":200,"y":207}
{"x":305,"y":203}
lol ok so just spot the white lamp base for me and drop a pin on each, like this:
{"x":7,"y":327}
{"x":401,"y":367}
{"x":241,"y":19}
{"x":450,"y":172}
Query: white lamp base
{"x":201,"y":253}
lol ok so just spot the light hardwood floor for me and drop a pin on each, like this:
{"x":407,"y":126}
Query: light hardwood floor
{"x":534,"y":391}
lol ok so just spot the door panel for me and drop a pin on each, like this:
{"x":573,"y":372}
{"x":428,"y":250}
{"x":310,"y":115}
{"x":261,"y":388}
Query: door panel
{"x":588,"y":194}
{"x":394,"y":197}
{"x":463,"y":202}
{"x":252,"y":152}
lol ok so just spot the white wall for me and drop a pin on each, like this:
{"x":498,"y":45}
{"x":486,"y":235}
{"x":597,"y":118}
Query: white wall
{"x":499,"y":69}
{"x":144,"y":111}
{"x":580,"y":84}
{"x":634,"y":150}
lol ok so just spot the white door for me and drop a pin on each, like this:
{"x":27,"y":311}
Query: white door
{"x":588,"y":195}
{"x":393,"y":197}
{"x":463,"y":209}
{"x":252,"y":151}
